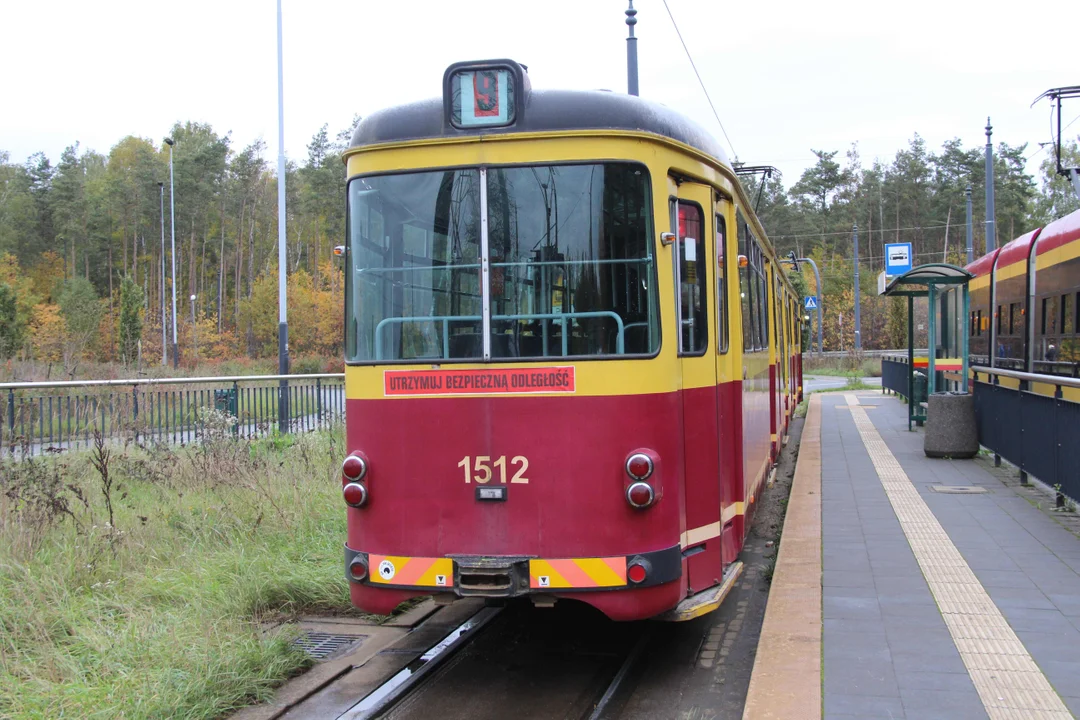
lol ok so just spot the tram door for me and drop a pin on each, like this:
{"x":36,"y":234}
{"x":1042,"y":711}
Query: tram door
{"x":694,"y":271}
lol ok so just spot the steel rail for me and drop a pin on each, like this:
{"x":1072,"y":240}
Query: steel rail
{"x":390,"y":693}
{"x":604,"y":707}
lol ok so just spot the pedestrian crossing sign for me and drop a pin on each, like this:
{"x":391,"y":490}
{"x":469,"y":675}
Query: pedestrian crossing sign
{"x":811,"y":302}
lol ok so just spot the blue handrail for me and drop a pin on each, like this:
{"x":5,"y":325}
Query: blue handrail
{"x":620,"y":347}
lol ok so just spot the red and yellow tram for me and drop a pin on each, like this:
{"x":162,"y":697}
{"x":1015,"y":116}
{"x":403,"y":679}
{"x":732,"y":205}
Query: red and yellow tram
{"x":571,"y":354}
{"x":1025,"y":300}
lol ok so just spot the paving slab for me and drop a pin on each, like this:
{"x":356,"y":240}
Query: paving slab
{"x":1019,"y":559}
{"x":936,"y":605}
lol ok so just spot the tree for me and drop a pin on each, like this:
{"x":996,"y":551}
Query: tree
{"x":81,"y":310}
{"x":131,"y":305}
{"x":11,"y":330}
{"x":1057,"y":198}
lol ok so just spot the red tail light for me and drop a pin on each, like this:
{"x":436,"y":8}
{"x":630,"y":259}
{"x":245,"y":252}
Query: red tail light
{"x":358,"y":569}
{"x":637,"y":572}
{"x":355,"y":494}
{"x":354,"y":468}
{"x":639,"y":466}
{"x":640,"y":495}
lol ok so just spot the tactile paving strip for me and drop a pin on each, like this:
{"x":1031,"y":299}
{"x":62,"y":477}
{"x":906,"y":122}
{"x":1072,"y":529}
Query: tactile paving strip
{"x":1008,"y":681}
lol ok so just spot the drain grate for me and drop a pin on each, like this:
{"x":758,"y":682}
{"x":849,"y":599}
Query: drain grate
{"x":321,"y":645}
{"x":959,"y":489}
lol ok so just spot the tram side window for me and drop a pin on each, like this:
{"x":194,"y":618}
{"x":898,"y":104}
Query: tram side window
{"x":1050,"y":316}
{"x":1067,"y":315}
{"x":721,"y":285}
{"x":694,"y":336}
{"x":745,"y":292}
{"x":764,"y":300}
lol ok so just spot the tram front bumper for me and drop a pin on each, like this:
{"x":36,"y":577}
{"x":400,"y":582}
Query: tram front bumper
{"x":502,"y":576}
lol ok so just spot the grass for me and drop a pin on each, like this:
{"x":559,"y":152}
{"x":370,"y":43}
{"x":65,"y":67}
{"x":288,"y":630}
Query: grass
{"x":161,"y":612}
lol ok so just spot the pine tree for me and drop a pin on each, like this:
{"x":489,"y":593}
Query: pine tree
{"x":131,"y":305}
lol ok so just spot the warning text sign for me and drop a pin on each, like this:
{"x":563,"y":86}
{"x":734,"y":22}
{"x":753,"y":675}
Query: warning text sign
{"x":494,"y":381}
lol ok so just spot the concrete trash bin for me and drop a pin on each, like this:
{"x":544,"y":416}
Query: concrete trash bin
{"x":950,"y":426}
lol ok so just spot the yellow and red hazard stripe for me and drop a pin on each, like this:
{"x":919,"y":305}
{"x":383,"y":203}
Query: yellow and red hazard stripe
{"x":577,"y":573}
{"x":411,"y":571}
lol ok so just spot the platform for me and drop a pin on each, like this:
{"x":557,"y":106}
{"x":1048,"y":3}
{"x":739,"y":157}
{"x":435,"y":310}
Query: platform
{"x":944,"y":593}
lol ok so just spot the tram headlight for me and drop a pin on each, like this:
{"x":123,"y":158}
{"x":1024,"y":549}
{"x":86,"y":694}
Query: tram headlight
{"x":354,"y":468}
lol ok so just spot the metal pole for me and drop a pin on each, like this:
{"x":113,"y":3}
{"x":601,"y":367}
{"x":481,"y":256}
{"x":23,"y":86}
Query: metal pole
{"x":858,"y":313}
{"x":194,"y":333}
{"x":283,"y":322}
{"x":965,"y":333}
{"x":172,"y":228}
{"x":631,"y":52}
{"x":818,"y":292}
{"x":910,"y":360}
{"x":970,"y":241}
{"x":931,"y":335}
{"x":164,"y":340}
{"x":991,"y":228}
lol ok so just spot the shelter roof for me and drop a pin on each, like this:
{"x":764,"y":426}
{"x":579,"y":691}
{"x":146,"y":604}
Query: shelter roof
{"x":912,"y":282}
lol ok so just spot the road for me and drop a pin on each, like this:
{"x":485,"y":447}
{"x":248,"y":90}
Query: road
{"x":812,"y":383}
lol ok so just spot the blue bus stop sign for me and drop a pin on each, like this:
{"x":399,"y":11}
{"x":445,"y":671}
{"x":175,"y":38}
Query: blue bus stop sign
{"x":897,"y":258}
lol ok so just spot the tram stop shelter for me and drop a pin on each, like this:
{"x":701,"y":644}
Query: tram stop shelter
{"x":945,"y":287}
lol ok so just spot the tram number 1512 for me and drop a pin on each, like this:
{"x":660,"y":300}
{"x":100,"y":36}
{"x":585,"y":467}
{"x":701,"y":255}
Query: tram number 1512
{"x":481,"y":469}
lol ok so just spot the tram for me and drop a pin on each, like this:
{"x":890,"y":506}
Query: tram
{"x":571,"y":353}
{"x":1025,"y":297}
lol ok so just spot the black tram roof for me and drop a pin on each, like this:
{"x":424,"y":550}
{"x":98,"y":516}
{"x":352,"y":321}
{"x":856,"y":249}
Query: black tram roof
{"x":542,"y":111}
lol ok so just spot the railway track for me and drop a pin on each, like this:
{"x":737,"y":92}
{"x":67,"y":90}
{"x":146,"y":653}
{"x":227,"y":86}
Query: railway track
{"x":467,"y":661}
{"x":515,"y":661}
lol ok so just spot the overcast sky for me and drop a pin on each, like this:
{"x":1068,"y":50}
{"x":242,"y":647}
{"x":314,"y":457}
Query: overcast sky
{"x":785,"y":76}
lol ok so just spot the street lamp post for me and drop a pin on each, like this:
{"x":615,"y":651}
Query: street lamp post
{"x":194,"y":329}
{"x":172,"y":227}
{"x":817,"y":276}
{"x":283,"y":323}
{"x":164,"y":341}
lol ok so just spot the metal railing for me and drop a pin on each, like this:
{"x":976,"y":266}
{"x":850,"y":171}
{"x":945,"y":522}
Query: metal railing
{"x":38,"y":417}
{"x":1064,"y":368}
{"x":1036,"y":431}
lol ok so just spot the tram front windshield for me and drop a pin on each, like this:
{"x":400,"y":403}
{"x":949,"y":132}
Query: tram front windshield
{"x":572,"y":270}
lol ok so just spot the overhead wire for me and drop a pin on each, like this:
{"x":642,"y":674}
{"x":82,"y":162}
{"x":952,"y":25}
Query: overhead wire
{"x":867,"y":231}
{"x":701,"y":82}
{"x":1052,"y":139}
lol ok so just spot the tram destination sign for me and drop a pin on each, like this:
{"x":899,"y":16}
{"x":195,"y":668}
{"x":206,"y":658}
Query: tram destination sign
{"x":494,"y":381}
